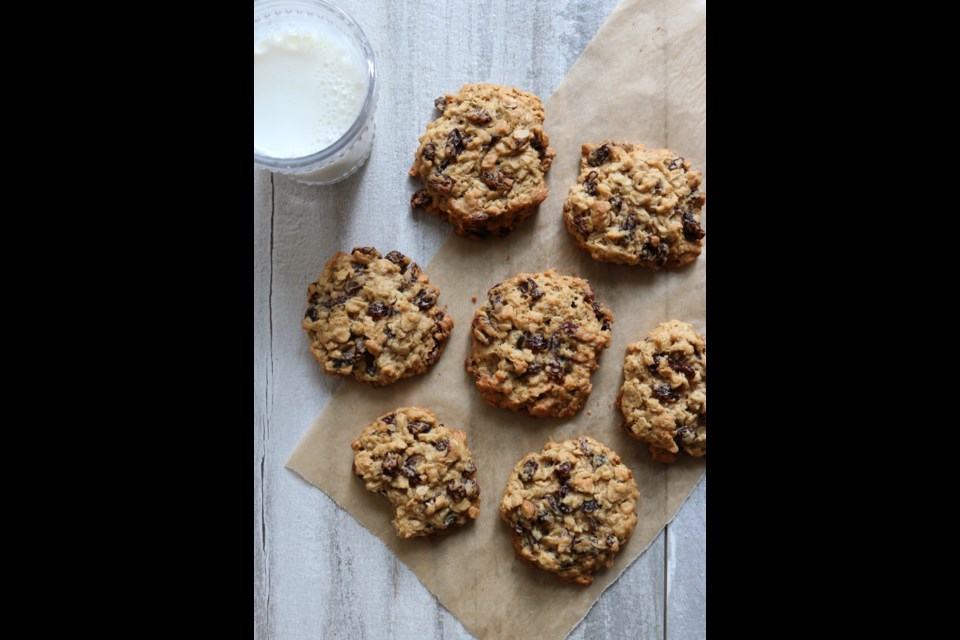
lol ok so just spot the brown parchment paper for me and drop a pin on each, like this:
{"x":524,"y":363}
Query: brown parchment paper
{"x":641,"y":79}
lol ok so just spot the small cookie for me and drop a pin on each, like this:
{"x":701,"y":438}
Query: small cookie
{"x":571,"y":508}
{"x":536,"y":341}
{"x":483,"y":161}
{"x":664,"y":393}
{"x":634,"y":205}
{"x":375,"y":318}
{"x":424,"y":468}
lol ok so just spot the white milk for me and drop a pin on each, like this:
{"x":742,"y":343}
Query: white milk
{"x":308,"y":89}
{"x":314,"y":91}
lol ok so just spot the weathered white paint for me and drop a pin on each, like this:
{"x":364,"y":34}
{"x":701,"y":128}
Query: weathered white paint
{"x":317,"y":573}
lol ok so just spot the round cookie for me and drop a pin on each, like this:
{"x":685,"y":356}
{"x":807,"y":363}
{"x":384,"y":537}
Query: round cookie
{"x":664,"y":393}
{"x":483,"y":161}
{"x":634,"y":205}
{"x":424,"y":468}
{"x":374,"y":318}
{"x":571,"y":508}
{"x":536,"y":341}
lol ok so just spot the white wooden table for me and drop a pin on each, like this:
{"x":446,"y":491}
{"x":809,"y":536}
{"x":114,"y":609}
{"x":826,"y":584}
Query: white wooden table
{"x":317,"y":572}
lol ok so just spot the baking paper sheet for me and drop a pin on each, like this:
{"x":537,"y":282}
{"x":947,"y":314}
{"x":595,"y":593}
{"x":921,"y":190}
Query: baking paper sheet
{"x":641,"y":79}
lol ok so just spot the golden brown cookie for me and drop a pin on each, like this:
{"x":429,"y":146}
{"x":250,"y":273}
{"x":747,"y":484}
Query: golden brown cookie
{"x":483,"y":161}
{"x":536,"y":341}
{"x":571,"y":508}
{"x":375,"y":318}
{"x":424,"y":468}
{"x":664,"y":393}
{"x":634,"y":205}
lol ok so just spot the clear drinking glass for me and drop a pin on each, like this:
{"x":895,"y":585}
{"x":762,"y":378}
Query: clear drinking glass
{"x":342,"y":158}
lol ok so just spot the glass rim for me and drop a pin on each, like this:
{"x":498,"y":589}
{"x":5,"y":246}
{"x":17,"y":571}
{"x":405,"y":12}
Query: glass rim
{"x":343,"y":141}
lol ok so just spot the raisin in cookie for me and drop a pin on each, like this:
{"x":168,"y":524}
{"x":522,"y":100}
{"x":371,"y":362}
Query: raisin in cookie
{"x":571,"y":508}
{"x":375,"y":318}
{"x":664,"y":394}
{"x":483,"y":161}
{"x":634,"y":205}
{"x":536,"y":341}
{"x":424,"y":468}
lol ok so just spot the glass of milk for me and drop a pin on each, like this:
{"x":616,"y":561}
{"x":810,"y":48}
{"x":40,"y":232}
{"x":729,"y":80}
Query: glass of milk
{"x":314,"y":91}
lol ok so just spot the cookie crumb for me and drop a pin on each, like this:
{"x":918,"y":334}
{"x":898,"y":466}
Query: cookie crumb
{"x":473,"y":299}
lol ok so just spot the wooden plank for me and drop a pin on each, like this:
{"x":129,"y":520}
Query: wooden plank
{"x":262,"y":219}
{"x":633,"y":607}
{"x":687,"y":569}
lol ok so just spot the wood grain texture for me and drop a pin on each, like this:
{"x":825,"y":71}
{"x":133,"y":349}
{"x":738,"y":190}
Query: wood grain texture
{"x":317,"y":572}
{"x":686,"y":560}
